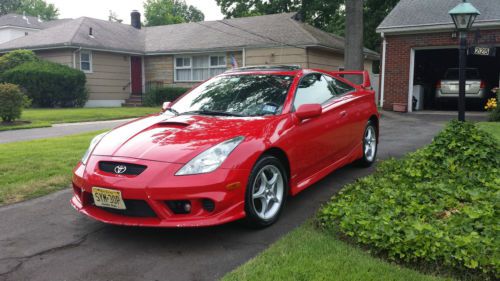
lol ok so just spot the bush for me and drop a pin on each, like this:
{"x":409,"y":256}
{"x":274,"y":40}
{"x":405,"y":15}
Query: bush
{"x":495,"y":110}
{"x":16,"y":58}
{"x":50,"y":84}
{"x":12,"y":101}
{"x":439,"y":204}
{"x":158,"y":96}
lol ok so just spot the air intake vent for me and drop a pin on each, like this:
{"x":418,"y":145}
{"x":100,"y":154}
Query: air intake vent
{"x":121,"y":168}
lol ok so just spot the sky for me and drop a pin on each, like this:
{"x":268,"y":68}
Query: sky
{"x":100,"y":8}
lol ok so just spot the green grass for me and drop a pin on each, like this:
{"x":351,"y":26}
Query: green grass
{"x":491,"y":127}
{"x":47,"y":117}
{"x":34,"y":168}
{"x":308,"y":253}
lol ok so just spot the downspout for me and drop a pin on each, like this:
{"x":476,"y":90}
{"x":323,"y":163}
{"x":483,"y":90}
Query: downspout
{"x":74,"y":56}
{"x":382,"y":77}
{"x":244,"y":59}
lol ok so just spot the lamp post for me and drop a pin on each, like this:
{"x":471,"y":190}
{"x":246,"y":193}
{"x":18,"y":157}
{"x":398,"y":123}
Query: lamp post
{"x":463,"y":15}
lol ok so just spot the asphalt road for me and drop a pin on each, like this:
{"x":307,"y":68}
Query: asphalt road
{"x":58,"y":130}
{"x":45,"y":239}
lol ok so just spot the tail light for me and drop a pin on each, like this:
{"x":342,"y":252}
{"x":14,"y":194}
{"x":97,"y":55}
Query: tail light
{"x":483,"y":85}
{"x":438,"y":85}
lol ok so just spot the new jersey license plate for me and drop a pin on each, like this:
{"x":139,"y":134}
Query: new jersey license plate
{"x":108,"y":198}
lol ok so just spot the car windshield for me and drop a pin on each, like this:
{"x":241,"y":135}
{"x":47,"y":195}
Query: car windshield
{"x":471,"y":74}
{"x":237,"y":95}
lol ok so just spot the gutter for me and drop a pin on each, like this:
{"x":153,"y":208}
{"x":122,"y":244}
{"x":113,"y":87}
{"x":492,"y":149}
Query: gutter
{"x":435,"y":27}
{"x":382,"y":77}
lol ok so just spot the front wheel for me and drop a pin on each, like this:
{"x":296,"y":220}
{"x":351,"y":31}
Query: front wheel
{"x":266,"y":192}
{"x":370,"y":145}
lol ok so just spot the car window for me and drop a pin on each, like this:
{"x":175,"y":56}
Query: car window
{"x":340,"y":87}
{"x":453,"y":73}
{"x":313,"y":88}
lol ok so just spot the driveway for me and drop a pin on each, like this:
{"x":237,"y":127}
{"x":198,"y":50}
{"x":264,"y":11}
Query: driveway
{"x":45,"y":239}
{"x":58,"y":130}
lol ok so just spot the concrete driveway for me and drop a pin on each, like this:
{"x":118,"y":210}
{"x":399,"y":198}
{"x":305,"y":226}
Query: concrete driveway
{"x":45,"y":239}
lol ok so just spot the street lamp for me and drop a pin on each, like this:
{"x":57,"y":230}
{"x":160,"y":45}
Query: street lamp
{"x":463,"y":15}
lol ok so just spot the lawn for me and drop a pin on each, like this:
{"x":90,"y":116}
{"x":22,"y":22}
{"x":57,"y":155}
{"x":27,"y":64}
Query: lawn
{"x":35,"y":168}
{"x":47,"y":117}
{"x":491,"y":127}
{"x":308,"y":253}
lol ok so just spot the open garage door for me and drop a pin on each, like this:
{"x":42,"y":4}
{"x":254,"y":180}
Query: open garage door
{"x":437,"y":68}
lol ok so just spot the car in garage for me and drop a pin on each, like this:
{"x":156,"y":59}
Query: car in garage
{"x":448,"y":87}
{"x":232,"y":148}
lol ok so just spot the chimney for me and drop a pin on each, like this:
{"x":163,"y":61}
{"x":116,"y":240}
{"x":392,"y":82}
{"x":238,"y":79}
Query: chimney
{"x":135,"y":19}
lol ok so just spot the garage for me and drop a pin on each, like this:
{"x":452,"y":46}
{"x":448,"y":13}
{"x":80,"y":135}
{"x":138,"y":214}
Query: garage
{"x":420,"y":56}
{"x":433,"y":67}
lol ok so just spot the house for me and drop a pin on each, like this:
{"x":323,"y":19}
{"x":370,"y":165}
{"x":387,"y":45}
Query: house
{"x":123,"y":61}
{"x":420,"y":43}
{"x":13,"y":26}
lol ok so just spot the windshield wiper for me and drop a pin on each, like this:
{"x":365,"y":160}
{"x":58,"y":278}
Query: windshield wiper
{"x":213,"y":112}
{"x":173,"y":111}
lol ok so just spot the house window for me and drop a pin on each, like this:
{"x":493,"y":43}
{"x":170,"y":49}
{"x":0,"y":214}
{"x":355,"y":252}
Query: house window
{"x":199,"y":67}
{"x":86,"y":61}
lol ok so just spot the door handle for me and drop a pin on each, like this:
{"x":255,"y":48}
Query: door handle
{"x":343,"y":113}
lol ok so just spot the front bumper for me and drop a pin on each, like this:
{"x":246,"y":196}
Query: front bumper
{"x":155,"y":187}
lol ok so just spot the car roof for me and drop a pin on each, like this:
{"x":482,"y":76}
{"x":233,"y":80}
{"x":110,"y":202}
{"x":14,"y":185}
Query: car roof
{"x":272,"y":69}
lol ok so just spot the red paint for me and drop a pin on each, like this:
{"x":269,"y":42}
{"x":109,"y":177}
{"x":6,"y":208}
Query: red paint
{"x":136,"y":77}
{"x":316,"y":141}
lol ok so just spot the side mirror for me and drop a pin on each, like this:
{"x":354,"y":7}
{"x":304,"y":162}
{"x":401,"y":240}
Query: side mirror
{"x":166,"y":105}
{"x":308,"y":111}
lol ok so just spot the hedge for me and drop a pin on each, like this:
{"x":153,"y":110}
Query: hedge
{"x":49,"y":84}
{"x":438,"y":205}
{"x":158,"y":96}
{"x":16,"y":58}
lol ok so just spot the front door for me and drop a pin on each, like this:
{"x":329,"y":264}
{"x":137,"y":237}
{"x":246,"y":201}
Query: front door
{"x":136,"y":79}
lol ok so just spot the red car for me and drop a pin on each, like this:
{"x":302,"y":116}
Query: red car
{"x":233,"y":147}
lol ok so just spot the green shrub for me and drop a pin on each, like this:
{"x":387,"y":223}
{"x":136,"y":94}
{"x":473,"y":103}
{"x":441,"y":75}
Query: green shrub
{"x":15,"y":58}
{"x":50,"y":84}
{"x":439,"y":204}
{"x":495,"y":113}
{"x":11,"y":102}
{"x":158,"y":96}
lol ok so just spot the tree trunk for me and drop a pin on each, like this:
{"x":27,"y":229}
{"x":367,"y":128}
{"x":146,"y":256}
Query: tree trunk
{"x":354,"y":56}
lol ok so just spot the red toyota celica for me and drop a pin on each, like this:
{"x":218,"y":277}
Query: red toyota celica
{"x":232,"y":148}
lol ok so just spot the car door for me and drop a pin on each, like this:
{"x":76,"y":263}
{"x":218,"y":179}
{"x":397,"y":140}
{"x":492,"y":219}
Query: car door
{"x":345,"y":135}
{"x":313,"y":140}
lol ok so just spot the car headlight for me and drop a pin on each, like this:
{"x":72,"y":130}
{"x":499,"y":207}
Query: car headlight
{"x":210,"y":159}
{"x":93,"y":144}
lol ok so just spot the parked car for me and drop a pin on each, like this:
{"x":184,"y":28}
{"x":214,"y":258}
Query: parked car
{"x":233,"y":147}
{"x":448,"y":87}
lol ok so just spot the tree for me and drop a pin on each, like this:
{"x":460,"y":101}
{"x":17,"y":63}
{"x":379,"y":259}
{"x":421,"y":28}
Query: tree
{"x":326,"y":15}
{"x":113,"y":17}
{"x":354,"y":54}
{"x":30,"y":7}
{"x":163,"y":12}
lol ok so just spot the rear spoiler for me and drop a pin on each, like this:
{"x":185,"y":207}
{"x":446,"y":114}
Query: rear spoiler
{"x":366,"y":77}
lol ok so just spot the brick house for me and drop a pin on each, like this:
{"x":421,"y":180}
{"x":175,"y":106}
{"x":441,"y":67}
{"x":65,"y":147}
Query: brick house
{"x":420,"y":44}
{"x":123,"y":61}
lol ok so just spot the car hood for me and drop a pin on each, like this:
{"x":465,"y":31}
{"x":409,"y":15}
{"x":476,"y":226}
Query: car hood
{"x":175,"y":139}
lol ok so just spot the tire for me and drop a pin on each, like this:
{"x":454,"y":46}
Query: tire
{"x":270,"y":195}
{"x":370,"y":145}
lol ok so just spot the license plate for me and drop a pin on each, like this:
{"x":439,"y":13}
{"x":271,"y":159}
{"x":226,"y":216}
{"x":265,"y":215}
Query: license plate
{"x":108,"y":198}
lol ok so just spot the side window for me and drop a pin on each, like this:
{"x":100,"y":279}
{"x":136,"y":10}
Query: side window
{"x":340,"y":87}
{"x":313,"y":88}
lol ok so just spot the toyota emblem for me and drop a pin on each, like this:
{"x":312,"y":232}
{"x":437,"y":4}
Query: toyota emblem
{"x":120,"y":169}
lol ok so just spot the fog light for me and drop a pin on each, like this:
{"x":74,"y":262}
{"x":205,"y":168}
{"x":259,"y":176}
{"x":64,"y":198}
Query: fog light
{"x":179,"y":206}
{"x":208,"y":205}
{"x":187,"y":207}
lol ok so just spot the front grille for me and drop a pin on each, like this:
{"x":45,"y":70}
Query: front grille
{"x":130,"y":169}
{"x":135,"y":208}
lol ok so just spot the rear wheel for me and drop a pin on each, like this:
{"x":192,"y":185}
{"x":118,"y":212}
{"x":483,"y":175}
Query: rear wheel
{"x":370,"y":145}
{"x":266,"y":192}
